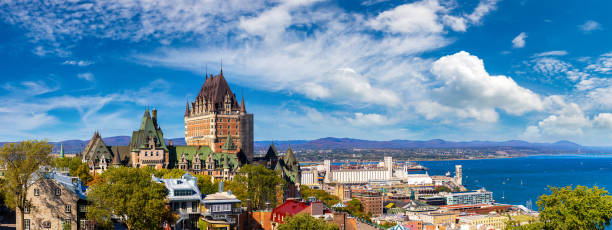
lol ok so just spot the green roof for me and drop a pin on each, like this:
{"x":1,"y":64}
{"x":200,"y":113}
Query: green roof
{"x":203,"y":151}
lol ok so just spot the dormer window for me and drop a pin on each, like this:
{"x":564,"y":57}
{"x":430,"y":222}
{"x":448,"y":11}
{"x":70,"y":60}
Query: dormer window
{"x":58,"y":192}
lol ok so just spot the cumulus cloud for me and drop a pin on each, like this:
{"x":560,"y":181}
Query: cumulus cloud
{"x":466,"y":86}
{"x":589,"y":26}
{"x":519,"y":41}
{"x":417,"y":17}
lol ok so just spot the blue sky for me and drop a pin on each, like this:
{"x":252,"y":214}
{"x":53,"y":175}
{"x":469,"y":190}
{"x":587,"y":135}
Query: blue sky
{"x":380,"y":70}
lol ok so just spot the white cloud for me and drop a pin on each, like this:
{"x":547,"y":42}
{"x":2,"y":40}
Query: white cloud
{"x":370,"y":119}
{"x":417,"y":17}
{"x":551,"y":53}
{"x":467,"y":87}
{"x":81,"y":63}
{"x":589,"y":26}
{"x":484,"y":7}
{"x":603,"y":64}
{"x":603,"y":120}
{"x":550,"y":66}
{"x":519,"y":41}
{"x":86,"y":76}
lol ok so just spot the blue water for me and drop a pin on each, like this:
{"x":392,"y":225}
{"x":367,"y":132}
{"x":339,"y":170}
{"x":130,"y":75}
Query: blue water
{"x":504,"y":176}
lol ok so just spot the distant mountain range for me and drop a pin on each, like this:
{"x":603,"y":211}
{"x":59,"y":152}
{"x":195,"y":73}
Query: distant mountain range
{"x":76,"y":146}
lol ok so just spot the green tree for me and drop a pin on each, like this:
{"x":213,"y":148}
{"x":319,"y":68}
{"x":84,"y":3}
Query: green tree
{"x":256,"y":183}
{"x":443,"y":189}
{"x":130,"y":194}
{"x":22,"y":161}
{"x":578,"y":208}
{"x":304,"y":221}
{"x":205,"y":184}
{"x":75,"y":167}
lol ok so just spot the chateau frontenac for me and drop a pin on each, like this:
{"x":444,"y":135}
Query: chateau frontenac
{"x":218,"y":133}
{"x":215,"y":115}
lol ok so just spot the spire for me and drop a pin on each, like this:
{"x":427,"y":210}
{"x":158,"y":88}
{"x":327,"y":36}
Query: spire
{"x":242,"y":107}
{"x":289,"y":157}
{"x":187,"y":108}
{"x":221,"y":67}
{"x":206,"y":74}
{"x":62,"y":150}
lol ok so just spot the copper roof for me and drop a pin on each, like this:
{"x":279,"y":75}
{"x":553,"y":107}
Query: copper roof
{"x":214,"y":90}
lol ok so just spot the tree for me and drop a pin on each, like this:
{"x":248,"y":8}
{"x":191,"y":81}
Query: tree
{"x":130,"y":194}
{"x":22,"y":160}
{"x":304,"y":221}
{"x":256,"y":183}
{"x":205,"y":184}
{"x":579,"y":208}
{"x":75,"y":167}
{"x":443,"y":189}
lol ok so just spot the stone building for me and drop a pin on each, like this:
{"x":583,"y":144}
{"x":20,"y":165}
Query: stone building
{"x":57,"y":202}
{"x":215,"y":114}
{"x":147,"y":146}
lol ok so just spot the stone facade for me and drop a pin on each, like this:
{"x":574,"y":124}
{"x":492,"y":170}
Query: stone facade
{"x":215,"y":114}
{"x":148,"y":147}
{"x":57,"y":200}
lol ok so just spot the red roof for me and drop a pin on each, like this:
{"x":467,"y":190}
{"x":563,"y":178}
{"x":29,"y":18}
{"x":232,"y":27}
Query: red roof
{"x":290,"y":208}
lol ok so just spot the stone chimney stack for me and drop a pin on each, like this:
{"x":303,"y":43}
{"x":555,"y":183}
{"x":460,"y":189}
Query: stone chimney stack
{"x":154,"y":117}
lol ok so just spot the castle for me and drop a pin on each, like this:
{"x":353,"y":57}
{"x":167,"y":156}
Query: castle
{"x":218,"y":133}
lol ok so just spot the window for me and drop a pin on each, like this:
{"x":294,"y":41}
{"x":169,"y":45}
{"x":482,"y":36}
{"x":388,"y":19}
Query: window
{"x":194,"y":206}
{"x":46,"y":224}
{"x":184,"y":205}
{"x":82,"y":208}
{"x":58,"y":192}
{"x":66,"y":223}
{"x":222,"y":208}
{"x":26,"y":224}
{"x":67,"y":208}
{"x":26,"y":210}
{"x":36,"y":192}
{"x":183,"y":192}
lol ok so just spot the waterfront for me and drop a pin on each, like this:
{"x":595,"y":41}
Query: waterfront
{"x":520,"y":180}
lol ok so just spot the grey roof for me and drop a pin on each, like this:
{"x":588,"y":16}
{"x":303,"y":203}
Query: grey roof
{"x":186,"y":182}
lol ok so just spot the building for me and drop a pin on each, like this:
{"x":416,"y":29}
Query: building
{"x":184,"y":199}
{"x":480,"y":196}
{"x":222,"y":210}
{"x":439,"y":217}
{"x":414,"y":224}
{"x":287,"y":166}
{"x":475,"y":222}
{"x":57,"y":202}
{"x":215,"y":114}
{"x":458,"y":175}
{"x":148,"y":148}
{"x":372,"y":201}
{"x":289,"y":208}
{"x":383,"y":171}
{"x":477,"y":208}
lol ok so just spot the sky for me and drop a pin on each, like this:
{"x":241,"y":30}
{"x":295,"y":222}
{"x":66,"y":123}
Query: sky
{"x":377,"y":69}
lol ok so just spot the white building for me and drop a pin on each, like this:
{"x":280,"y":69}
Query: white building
{"x":362,"y":175}
{"x":184,"y":198}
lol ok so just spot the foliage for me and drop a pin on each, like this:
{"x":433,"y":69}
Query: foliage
{"x":578,"y":208}
{"x":202,"y":225}
{"x":321,"y":195}
{"x":130,"y":194}
{"x":388,"y":224}
{"x":205,"y":185}
{"x":256,"y":183}
{"x":304,"y":221}
{"x":75,"y":167}
{"x":354,"y":206}
{"x":443,"y":189}
{"x":22,"y":161}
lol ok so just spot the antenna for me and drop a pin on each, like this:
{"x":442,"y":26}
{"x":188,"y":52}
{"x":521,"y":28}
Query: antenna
{"x":221,"y":65}
{"x":206,"y":74}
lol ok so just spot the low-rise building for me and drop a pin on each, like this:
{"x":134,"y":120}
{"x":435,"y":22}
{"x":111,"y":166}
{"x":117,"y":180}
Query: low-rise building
{"x":184,"y":199}
{"x":480,"y":196}
{"x":439,"y":217}
{"x":222,"y":210}
{"x":57,"y":202}
{"x":484,"y":221}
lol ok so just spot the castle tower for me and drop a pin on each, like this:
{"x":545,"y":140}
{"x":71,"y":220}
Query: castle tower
{"x":215,"y":114}
{"x":458,"y":175}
